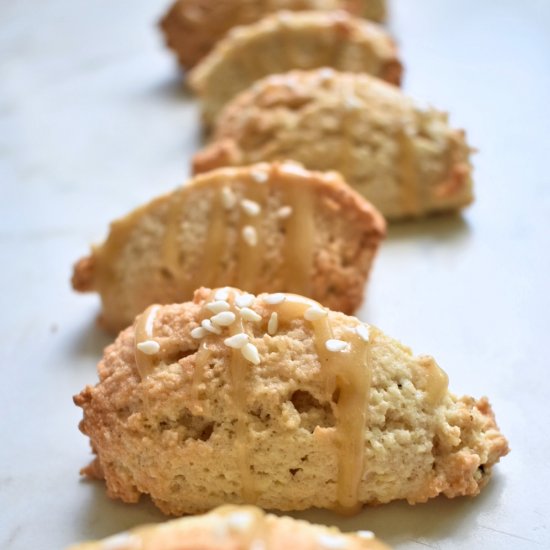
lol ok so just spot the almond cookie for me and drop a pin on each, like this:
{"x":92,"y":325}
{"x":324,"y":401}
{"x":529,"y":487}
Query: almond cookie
{"x":276,"y":401}
{"x":267,"y":227}
{"x":192,"y":27}
{"x":292,"y":40}
{"x":405,"y":159}
{"x":236,"y":527}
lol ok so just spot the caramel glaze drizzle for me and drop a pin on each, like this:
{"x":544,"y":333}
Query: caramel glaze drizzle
{"x":250,"y":258}
{"x":347,"y":378}
{"x":215,"y":242}
{"x":300,"y":239}
{"x":143,"y":331}
{"x":207,"y":271}
{"x":347,"y":141}
{"x":437,"y":380}
{"x":238,"y":368}
{"x":407,"y":174}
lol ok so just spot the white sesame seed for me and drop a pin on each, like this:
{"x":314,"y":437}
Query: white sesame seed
{"x":284,"y":212}
{"x":198,"y":333}
{"x":207,"y":324}
{"x":228,"y":198}
{"x":249,"y":235}
{"x":149,"y":347}
{"x":273,"y":323}
{"x":259,"y":176}
{"x":237,"y":341}
{"x":240,"y":521}
{"x":222,"y":294}
{"x":275,"y":298}
{"x":219,"y":530}
{"x":333,"y":542}
{"x":224,"y":318}
{"x":294,"y":169}
{"x":363,"y":332}
{"x":257,"y":544}
{"x":250,"y":315}
{"x":336,"y":345}
{"x":250,"y":353}
{"x":368,"y":535}
{"x":245,"y":300}
{"x":252,"y":208}
{"x":352,"y":102}
{"x":218,"y":306}
{"x":325,"y":74}
{"x":315,"y":313}
{"x":150,"y":321}
{"x":122,"y":541}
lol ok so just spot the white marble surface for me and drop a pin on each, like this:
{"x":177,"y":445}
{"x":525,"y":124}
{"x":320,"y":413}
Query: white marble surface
{"x":93,"y":121}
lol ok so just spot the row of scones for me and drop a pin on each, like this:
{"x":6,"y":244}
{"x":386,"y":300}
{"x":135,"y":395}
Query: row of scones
{"x":239,"y":376}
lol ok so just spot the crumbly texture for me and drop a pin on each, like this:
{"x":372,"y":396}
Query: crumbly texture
{"x":235,"y":528}
{"x":166,"y":249}
{"x":175,"y":434}
{"x":405,"y":159}
{"x":292,"y":40}
{"x":192,"y":27}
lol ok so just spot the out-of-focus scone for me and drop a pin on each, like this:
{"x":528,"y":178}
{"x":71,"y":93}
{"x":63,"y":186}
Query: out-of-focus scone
{"x":236,"y":528}
{"x":276,"y":401}
{"x":405,"y":159}
{"x":265,"y":228}
{"x":292,"y":40}
{"x":192,"y":27}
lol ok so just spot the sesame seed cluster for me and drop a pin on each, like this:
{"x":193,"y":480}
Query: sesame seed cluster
{"x":224,"y":315}
{"x":251,"y":208}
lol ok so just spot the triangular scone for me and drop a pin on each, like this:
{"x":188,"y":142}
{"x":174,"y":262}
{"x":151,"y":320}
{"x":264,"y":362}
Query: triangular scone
{"x":292,"y":40}
{"x":192,"y":27}
{"x":405,"y":159}
{"x":275,"y":401}
{"x":234,"y":528}
{"x":264,"y":228}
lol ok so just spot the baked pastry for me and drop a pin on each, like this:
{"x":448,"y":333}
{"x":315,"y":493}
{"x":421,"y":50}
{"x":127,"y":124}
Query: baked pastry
{"x":292,"y":40}
{"x":236,"y":528}
{"x":192,"y":27}
{"x":264,"y":227}
{"x":405,"y":159}
{"x":276,"y":401}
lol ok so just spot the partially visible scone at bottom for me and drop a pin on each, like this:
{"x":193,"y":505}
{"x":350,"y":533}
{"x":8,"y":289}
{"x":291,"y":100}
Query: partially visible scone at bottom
{"x":276,"y":401}
{"x":192,"y":27}
{"x":264,"y":228}
{"x":407,"y":160}
{"x":289,"y":40}
{"x":236,"y":528}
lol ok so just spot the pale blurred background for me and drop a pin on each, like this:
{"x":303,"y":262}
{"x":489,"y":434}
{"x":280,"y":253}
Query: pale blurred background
{"x":94,"y":120}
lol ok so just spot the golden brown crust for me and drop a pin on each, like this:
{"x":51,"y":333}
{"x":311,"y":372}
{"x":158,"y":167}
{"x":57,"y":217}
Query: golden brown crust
{"x":83,"y":274}
{"x":292,"y":40}
{"x":192,"y":27}
{"x":175,"y":432}
{"x":236,"y":527}
{"x":406,"y":160}
{"x":163,"y":251}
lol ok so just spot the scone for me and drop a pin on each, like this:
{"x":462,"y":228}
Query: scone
{"x":192,"y":27}
{"x":292,"y":40}
{"x":405,"y":159}
{"x":236,"y":528}
{"x":276,"y":401}
{"x":265,"y":228}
